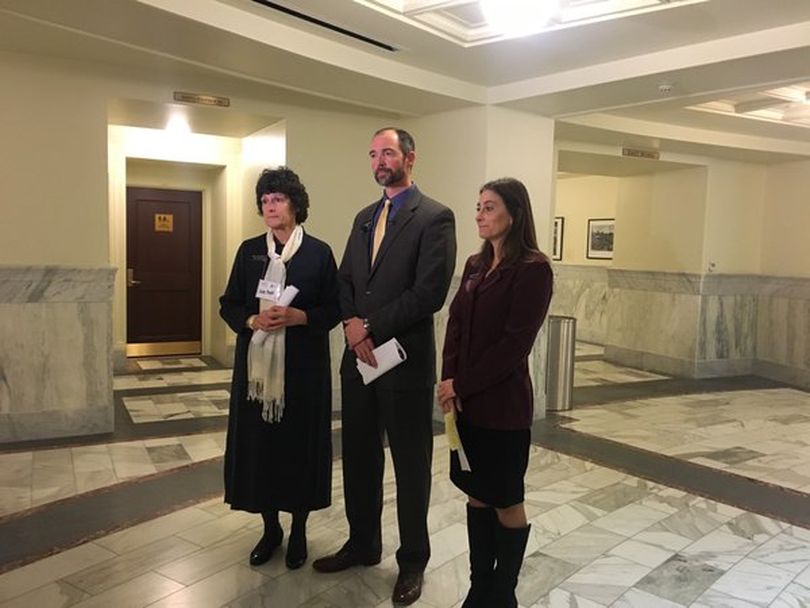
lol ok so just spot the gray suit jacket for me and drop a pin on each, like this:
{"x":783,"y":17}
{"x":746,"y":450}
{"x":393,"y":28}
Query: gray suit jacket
{"x":406,"y":285}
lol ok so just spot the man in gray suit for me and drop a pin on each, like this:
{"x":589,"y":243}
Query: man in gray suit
{"x":395,"y":274}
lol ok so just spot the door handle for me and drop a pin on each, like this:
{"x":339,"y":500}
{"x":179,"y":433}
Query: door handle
{"x":131,"y":282}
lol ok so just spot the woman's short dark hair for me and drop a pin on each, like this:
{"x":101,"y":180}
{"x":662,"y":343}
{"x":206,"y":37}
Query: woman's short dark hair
{"x":520,"y":241}
{"x":285,"y":181}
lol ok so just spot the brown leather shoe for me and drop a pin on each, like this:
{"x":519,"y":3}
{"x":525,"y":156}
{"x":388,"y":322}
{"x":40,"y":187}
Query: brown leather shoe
{"x":344,"y":559}
{"x":408,"y":588}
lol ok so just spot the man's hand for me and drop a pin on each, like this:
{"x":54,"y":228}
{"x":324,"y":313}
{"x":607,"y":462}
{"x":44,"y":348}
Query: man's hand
{"x":446,"y":395}
{"x":355,"y":332}
{"x":364,"y":351}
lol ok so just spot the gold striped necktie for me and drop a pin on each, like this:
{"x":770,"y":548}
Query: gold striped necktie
{"x":379,"y":230}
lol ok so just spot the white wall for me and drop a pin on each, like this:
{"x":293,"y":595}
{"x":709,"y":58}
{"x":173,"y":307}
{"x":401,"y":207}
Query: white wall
{"x":660,"y":221}
{"x":732,"y":242}
{"x":53,"y":183}
{"x":786,"y":220}
{"x":580,"y":199}
{"x":451,"y":165}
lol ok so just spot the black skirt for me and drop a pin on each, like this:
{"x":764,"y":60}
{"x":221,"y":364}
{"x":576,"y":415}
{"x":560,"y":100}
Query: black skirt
{"x":498,"y":460}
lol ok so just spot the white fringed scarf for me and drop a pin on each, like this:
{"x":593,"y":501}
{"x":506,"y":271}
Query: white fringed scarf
{"x":266,"y":353}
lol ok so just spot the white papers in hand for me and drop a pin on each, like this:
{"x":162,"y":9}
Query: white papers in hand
{"x":285,"y":299}
{"x":388,"y":356}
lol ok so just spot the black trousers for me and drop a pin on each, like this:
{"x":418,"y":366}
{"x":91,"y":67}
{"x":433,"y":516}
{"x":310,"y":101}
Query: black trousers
{"x":405,"y":416}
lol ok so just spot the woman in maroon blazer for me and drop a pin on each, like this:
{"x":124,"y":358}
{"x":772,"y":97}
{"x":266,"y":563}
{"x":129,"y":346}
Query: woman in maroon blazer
{"x":494,"y":319}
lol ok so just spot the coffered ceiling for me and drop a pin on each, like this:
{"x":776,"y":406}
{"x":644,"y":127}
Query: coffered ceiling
{"x":729,"y":72}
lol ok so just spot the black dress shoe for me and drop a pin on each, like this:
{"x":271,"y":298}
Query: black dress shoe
{"x":296,"y":551}
{"x":344,"y":559}
{"x":263,"y":550}
{"x":407,"y":589}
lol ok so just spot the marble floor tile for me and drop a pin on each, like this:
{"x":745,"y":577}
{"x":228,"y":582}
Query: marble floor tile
{"x":135,"y":537}
{"x":557,"y":493}
{"x":642,"y":553}
{"x":52,"y":595}
{"x":583,"y":545}
{"x":445,"y":586}
{"x":131,"y":460}
{"x":13,"y":499}
{"x":217,"y":530}
{"x":605,"y":579}
{"x":803,"y":578}
{"x":560,"y":598}
{"x":680,"y":579}
{"x":293,"y":588}
{"x":51,"y":569}
{"x":691,"y":522}
{"x":144,"y":381}
{"x":614,"y":496}
{"x":636,"y":598}
{"x":553,"y":524}
{"x":719,"y":549}
{"x":630,"y":519}
{"x":715,"y":599}
{"x":754,"y":582}
{"x":118,"y":570}
{"x":541,"y":573}
{"x":139,"y":591}
{"x":785,"y":552}
{"x":150,"y":364}
{"x":794,"y":596}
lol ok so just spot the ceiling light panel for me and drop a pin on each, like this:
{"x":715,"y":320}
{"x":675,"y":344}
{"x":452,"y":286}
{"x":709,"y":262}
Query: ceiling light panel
{"x":463,"y":22}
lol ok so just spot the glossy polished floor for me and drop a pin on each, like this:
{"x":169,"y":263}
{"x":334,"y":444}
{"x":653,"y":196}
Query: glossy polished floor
{"x":652,"y":492}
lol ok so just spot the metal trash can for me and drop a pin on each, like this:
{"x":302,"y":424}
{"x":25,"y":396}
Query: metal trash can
{"x":562,"y":337}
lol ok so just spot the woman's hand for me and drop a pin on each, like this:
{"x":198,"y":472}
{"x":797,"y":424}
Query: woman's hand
{"x":277,"y":317}
{"x":450,"y":405}
{"x":447,"y":397}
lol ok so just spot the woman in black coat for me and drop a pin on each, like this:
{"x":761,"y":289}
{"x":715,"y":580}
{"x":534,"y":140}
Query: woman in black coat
{"x":278,"y":455}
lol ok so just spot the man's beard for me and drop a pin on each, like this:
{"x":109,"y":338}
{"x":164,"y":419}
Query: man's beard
{"x":386,"y":177}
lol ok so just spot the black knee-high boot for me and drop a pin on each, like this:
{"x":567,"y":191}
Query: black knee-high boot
{"x":510,"y":544}
{"x":297,"y":545}
{"x":481,"y":524}
{"x":273,"y":534}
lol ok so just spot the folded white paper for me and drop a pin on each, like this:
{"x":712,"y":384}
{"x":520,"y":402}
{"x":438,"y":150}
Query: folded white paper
{"x":388,"y":356}
{"x":285,"y":299}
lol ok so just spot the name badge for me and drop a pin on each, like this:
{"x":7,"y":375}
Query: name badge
{"x":268,"y":290}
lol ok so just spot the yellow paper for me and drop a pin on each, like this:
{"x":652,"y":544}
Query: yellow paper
{"x":450,"y":429}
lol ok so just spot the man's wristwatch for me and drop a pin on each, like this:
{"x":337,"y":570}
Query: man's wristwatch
{"x":367,"y":325}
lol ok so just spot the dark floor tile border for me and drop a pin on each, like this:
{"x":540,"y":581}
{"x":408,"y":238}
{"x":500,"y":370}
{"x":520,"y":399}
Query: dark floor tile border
{"x":56,"y":527}
{"x":774,"y":501}
{"x":671,"y":387}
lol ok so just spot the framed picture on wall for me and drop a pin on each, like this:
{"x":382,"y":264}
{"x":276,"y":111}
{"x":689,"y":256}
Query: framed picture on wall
{"x":557,"y":238}
{"x":600,"y":238}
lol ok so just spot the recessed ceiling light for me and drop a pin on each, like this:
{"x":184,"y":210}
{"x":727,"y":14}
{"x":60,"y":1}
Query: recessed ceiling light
{"x":178,"y":124}
{"x":519,"y":17}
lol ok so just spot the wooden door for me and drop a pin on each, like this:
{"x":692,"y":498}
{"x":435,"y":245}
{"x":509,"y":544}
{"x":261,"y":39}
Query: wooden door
{"x":164,"y":272}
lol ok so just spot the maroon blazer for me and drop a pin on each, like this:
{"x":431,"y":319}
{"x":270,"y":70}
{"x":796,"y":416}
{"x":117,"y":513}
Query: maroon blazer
{"x":493,"y":323}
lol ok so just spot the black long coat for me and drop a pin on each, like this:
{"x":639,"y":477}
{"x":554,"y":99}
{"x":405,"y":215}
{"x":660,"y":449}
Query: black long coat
{"x":284,"y":466}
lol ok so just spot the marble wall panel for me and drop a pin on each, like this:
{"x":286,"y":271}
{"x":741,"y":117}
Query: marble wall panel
{"x":727,"y":328}
{"x":783,"y":338}
{"x":664,"y":324}
{"x":55,"y":352}
{"x":581,"y":292}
